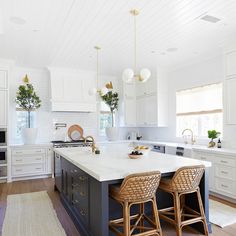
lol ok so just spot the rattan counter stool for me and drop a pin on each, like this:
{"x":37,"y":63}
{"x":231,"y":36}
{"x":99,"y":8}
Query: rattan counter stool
{"x":185,"y":181}
{"x":137,"y":189}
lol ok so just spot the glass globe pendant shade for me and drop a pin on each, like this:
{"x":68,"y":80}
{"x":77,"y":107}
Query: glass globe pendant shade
{"x":128,"y":75}
{"x":104,"y":91}
{"x":145,"y":74}
{"x":92,"y":91}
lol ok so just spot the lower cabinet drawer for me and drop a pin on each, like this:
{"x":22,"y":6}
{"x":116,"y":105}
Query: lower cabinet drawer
{"x":225,"y":186}
{"x":3,"y":171}
{"x":21,"y":170}
{"x":28,"y":159}
{"x":32,"y":151}
{"x":224,"y":160}
{"x":225,"y":172}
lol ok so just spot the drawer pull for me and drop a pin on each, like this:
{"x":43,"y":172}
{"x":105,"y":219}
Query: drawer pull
{"x":19,"y":160}
{"x":203,"y":158}
{"x":38,"y":151}
{"x":83,"y":194}
{"x":18,"y":152}
{"x":18,"y":170}
{"x":38,"y":159}
{"x":75,"y":185}
{"x":224,"y":186}
{"x":75,"y":201}
{"x":224,"y":172}
{"x":82,"y":212}
{"x":74,"y":171}
{"x":225,"y":162}
{"x":83,"y":178}
{"x":38,"y":168}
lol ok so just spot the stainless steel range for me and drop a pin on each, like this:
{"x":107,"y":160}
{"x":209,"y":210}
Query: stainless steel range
{"x":57,"y":158}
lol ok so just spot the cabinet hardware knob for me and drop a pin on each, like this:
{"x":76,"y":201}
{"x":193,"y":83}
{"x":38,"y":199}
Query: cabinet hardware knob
{"x":82,"y":212}
{"x":82,"y":194}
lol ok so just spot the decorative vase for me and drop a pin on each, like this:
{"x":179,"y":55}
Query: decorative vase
{"x":29,"y":135}
{"x":112,"y":133}
{"x":211,"y":144}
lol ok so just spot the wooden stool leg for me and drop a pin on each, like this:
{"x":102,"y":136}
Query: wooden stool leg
{"x":177,"y":214}
{"x":202,"y":212}
{"x":141,"y":206}
{"x":156,"y":216}
{"x":126,"y":216}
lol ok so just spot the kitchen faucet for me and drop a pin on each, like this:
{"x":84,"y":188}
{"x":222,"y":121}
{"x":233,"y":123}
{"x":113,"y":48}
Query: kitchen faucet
{"x":93,"y":142}
{"x":192,"y":136}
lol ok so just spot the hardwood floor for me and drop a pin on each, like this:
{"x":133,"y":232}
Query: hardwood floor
{"x":48,"y":185}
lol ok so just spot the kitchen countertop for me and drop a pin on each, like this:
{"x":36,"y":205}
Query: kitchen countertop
{"x":113,"y":163}
{"x":36,"y":145}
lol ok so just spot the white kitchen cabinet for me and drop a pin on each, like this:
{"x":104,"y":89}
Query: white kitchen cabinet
{"x":130,"y":111}
{"x":3,"y":79}
{"x":3,"y":107}
{"x":70,"y":90}
{"x":230,"y":96}
{"x":151,"y":101}
{"x":31,"y":162}
{"x":230,"y":63}
{"x":222,"y":177}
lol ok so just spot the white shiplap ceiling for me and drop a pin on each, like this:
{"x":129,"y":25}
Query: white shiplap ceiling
{"x":64,"y":32}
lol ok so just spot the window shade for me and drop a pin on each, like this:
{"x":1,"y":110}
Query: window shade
{"x":199,"y":100}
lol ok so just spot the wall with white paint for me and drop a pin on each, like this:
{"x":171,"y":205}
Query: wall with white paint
{"x":205,"y":72}
{"x":44,"y":117}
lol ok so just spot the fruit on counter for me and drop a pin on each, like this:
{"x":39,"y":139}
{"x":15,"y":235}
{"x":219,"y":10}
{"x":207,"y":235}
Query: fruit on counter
{"x":141,"y":148}
{"x":136,"y":153}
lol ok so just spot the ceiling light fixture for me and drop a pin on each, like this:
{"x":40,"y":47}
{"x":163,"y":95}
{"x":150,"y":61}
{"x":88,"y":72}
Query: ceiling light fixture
{"x":130,"y":75}
{"x":103,"y":91}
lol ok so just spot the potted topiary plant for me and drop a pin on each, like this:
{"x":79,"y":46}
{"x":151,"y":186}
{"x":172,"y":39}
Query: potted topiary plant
{"x":212,"y":134}
{"x":27,"y":100}
{"x":111,"y":99}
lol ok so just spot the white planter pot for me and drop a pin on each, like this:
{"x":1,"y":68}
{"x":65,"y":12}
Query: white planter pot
{"x":29,"y":135}
{"x":112,"y":133}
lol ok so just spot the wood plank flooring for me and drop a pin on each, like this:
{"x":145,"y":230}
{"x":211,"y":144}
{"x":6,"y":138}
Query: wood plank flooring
{"x":48,"y":185}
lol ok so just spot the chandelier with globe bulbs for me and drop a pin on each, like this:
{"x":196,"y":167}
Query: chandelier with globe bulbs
{"x":131,"y":75}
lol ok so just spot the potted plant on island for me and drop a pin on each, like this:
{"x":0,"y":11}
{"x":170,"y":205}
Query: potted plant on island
{"x":212,"y":134}
{"x":27,"y":100}
{"x":111,"y":99}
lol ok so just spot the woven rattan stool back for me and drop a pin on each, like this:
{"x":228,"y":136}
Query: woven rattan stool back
{"x":139,"y":187}
{"x":187,"y":178}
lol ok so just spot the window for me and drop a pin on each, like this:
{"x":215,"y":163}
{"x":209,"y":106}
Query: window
{"x":21,"y":121}
{"x":199,"y":109}
{"x":105,"y":118}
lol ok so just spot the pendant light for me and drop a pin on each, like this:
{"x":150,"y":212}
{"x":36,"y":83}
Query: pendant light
{"x":104,"y":90}
{"x":130,"y":75}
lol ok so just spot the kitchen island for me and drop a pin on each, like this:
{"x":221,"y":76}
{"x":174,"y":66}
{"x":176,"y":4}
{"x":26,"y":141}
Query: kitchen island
{"x":83,"y":179}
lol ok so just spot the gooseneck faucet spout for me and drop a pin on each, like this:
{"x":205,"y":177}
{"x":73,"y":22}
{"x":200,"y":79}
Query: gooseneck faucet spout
{"x":192,"y":136}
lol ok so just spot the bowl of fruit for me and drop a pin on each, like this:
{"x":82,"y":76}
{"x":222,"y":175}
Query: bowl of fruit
{"x":143,"y":149}
{"x":135,"y":154}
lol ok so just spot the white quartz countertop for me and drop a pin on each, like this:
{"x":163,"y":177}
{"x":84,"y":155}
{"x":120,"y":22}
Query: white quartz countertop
{"x":36,"y":145}
{"x":113,"y":163}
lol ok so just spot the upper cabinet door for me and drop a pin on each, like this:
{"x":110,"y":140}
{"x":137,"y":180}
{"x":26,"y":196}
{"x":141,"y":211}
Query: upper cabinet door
{"x":231,"y":63}
{"x":129,"y":90}
{"x":3,"y":79}
{"x":230,"y":95}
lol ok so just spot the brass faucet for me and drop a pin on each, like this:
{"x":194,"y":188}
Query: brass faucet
{"x":192,"y":136}
{"x":93,"y":142}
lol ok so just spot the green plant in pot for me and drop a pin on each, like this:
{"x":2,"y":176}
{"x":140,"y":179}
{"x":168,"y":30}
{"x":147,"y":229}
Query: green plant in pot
{"x":212,"y":134}
{"x":27,"y":100}
{"x":111,"y":99}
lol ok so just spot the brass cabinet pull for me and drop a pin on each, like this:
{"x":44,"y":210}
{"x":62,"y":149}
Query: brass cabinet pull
{"x":74,"y":171}
{"x":224,"y":172}
{"x":224,"y":186}
{"x":19,"y":160}
{"x":82,"y":178}
{"x":75,"y":201}
{"x":38,"y":159}
{"x":38,"y":168}
{"x":223,"y":161}
{"x":18,"y":169}
{"x":82,"y":194}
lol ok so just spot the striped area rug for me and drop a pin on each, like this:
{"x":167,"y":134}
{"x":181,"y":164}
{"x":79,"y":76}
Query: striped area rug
{"x":31,"y":214}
